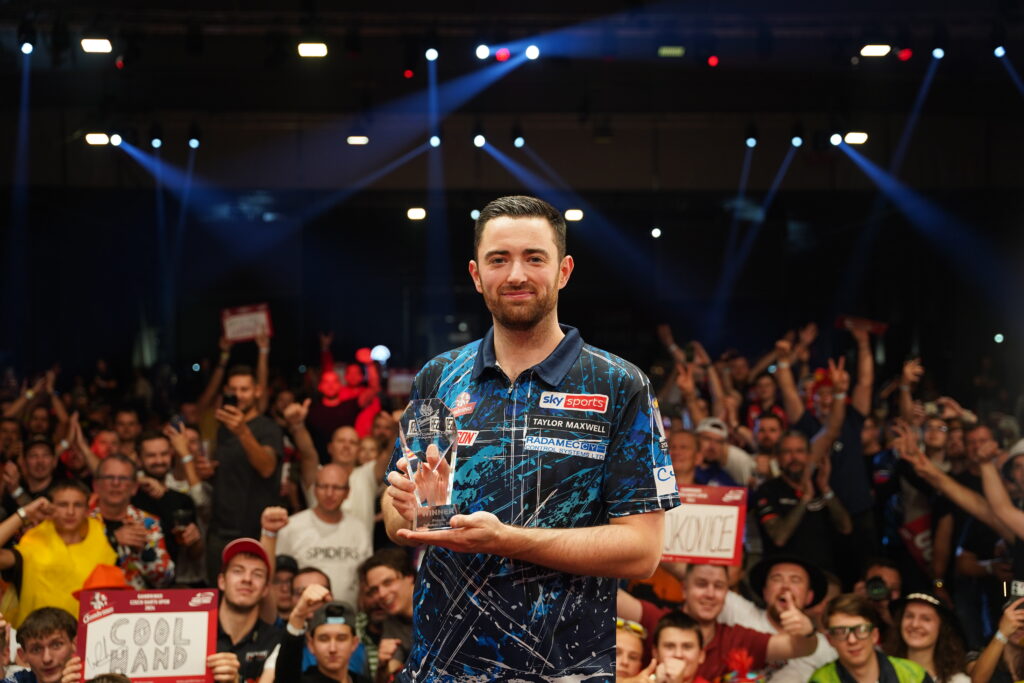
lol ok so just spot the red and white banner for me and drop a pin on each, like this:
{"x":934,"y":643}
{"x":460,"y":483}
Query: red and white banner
{"x":159,"y":636}
{"x":708,"y":527}
{"x":246,"y":322}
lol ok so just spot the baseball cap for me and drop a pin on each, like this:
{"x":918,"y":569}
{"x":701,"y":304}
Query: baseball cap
{"x":713,"y":425}
{"x":286,"y":563}
{"x":1015,"y":450}
{"x":243,"y":545}
{"x":332,"y":613}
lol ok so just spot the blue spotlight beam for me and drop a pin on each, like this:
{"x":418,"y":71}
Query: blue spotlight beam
{"x":1014,"y":76}
{"x":915,"y":113}
{"x":440,"y":299}
{"x":733,"y":267}
{"x":956,"y":240}
{"x":741,"y":192}
{"x":176,"y":180}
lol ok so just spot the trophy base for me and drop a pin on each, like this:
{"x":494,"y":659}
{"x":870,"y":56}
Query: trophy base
{"x":435,"y":518}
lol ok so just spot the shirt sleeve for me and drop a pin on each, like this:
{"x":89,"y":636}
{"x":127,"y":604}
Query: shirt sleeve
{"x":755,"y":642}
{"x":766,"y":505}
{"x":638,"y":470}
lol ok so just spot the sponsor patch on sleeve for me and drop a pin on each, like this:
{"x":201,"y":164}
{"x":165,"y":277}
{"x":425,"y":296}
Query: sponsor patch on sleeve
{"x":665,"y":480}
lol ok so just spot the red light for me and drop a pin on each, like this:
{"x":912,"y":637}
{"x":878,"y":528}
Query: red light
{"x":502,"y":54}
{"x":905,"y":54}
{"x":119,"y":62}
{"x":713,"y":60}
{"x":408,"y":73}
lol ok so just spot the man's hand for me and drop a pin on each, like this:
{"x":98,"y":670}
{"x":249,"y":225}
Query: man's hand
{"x":296,"y":414}
{"x":783,"y":351}
{"x":132,"y":534}
{"x":912,"y":371}
{"x":793,"y":621}
{"x":480,"y":532}
{"x":1012,"y":619}
{"x":177,"y":438}
{"x":274,"y":519}
{"x":225,"y":345}
{"x":684,"y":380}
{"x":821,"y":476}
{"x":262,"y":339}
{"x":151,"y":486}
{"x":670,"y":671}
{"x":233,"y":419}
{"x":190,"y":535}
{"x":387,"y":648}
{"x":38,"y":510}
{"x":311,"y":599}
{"x":837,"y":374}
{"x":72,"y":672}
{"x":11,"y":476}
{"x":401,"y":490}
{"x":808,"y":333}
{"x":223,"y":665}
{"x":665,"y":335}
{"x":700,"y":354}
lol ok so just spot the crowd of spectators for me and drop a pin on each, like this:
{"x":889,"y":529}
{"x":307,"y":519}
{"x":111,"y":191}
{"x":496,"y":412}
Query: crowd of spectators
{"x":882,"y":538}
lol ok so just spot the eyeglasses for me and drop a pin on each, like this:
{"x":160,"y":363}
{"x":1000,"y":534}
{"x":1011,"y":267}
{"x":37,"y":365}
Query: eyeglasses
{"x":631,"y":626}
{"x":114,"y":478}
{"x":936,"y":428}
{"x":334,"y":488}
{"x":861,"y":631}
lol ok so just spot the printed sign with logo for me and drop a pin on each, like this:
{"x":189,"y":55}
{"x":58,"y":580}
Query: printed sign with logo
{"x":708,"y":527}
{"x":158,"y":636}
{"x":246,"y":322}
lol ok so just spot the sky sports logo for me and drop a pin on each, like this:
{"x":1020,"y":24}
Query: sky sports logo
{"x":597,"y":403}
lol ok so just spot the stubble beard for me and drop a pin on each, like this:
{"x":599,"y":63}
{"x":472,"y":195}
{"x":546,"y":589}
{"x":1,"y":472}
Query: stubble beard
{"x":522,"y":317}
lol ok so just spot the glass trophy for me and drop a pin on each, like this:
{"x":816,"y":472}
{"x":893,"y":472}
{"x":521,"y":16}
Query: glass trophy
{"x":429,"y":441}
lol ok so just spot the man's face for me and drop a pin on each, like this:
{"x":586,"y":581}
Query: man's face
{"x":767,"y":432}
{"x":243,"y":582}
{"x":870,"y":433}
{"x":344,"y":446}
{"x":385,"y":430}
{"x":190,"y":412}
{"x":354,"y":375}
{"x":978,"y":441}
{"x":392,"y":590}
{"x":368,"y":450}
{"x":712,"y":448}
{"x":518,"y":271}
{"x":332,"y":645}
{"x":765,"y":389}
{"x":114,"y":483}
{"x":890,"y":576}
{"x":48,"y":654}
{"x":281,"y":401}
{"x":331,"y":487}
{"x":629,"y":653}
{"x":823,"y":398}
{"x":371,"y":603}
{"x":39,"y":421}
{"x":706,"y":588}
{"x":9,"y":433}
{"x":127,"y":426}
{"x":156,"y":457}
{"x":38,"y":462}
{"x":682,"y":448}
{"x":787,"y":585}
{"x":935,"y":431}
{"x":330,"y":385}
{"x":70,"y":508}
{"x":739,"y":368}
{"x":955,"y":447}
{"x":680,"y":644}
{"x":244,"y":388}
{"x":793,"y":457}
{"x":281,"y":591}
{"x":105,"y":443}
{"x":853,"y":652}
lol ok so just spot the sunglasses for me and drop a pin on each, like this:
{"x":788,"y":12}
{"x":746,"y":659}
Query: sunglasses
{"x":631,"y":626}
{"x":861,"y":631}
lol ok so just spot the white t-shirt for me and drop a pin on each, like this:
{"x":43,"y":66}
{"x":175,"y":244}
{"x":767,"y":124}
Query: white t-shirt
{"x":738,"y":610}
{"x":362,"y":495}
{"x":739,"y":464}
{"x":335,"y":549}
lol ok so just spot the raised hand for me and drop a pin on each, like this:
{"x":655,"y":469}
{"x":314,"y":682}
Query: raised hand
{"x":784,"y":351}
{"x":912,"y":371}
{"x":684,"y":379}
{"x":808,"y":333}
{"x":296,"y":413}
{"x":273,"y":519}
{"x":838,"y":375}
{"x":793,"y":621}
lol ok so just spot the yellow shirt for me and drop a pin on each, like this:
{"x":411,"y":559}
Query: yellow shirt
{"x":51,"y":569}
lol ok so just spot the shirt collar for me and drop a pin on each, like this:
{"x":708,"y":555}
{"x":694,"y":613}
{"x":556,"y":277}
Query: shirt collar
{"x":552,"y":369}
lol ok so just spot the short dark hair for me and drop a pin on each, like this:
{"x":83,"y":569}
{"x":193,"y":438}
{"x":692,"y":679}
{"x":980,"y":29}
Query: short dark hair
{"x":127,"y":409}
{"x":852,"y":605}
{"x":796,"y":434}
{"x":16,"y":423}
{"x":65,"y":484}
{"x":881,"y":562}
{"x":152,"y":435}
{"x":768,"y":416}
{"x":238,"y":370}
{"x":312,"y":570}
{"x":44,"y":621}
{"x":521,"y":206}
{"x":393,"y":558}
{"x":123,"y":459}
{"x":678,"y":619}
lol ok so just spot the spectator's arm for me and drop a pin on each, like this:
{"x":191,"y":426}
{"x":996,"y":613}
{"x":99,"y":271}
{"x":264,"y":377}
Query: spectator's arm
{"x":272,"y":520}
{"x":781,"y":529}
{"x":821,"y":444}
{"x":263,"y":370}
{"x":59,"y":411}
{"x":912,"y":371}
{"x":309,"y":460}
{"x":373,"y":388}
{"x":688,"y":390}
{"x":628,"y":607}
{"x":787,"y":385}
{"x":861,"y":399}
{"x":798,"y":637}
{"x":326,"y":357}
{"x":77,"y":440}
{"x":985,"y":666}
{"x":762,"y":363}
{"x":999,"y":499}
{"x":207,"y":399}
{"x":836,"y":510}
{"x":942,"y":548}
{"x":261,"y":458}
{"x":17,"y":407}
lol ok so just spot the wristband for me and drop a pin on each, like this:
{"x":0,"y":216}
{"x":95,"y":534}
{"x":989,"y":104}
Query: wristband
{"x":673,"y":347}
{"x":783,"y":364}
{"x":264,"y":349}
{"x":829,"y":496}
{"x":1001,"y":638}
{"x":22,"y":515}
{"x":268,"y":534}
{"x":187,"y":459}
{"x":29,"y":394}
{"x":294,"y":631}
{"x":63,"y":445}
{"x":904,"y":387}
{"x":18,"y":492}
{"x":839,"y":396}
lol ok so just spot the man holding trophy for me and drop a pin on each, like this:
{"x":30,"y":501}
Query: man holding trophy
{"x":535,"y":470}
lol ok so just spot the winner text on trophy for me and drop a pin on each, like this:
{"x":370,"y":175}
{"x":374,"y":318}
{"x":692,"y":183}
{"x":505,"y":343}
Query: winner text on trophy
{"x":429,"y":441}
